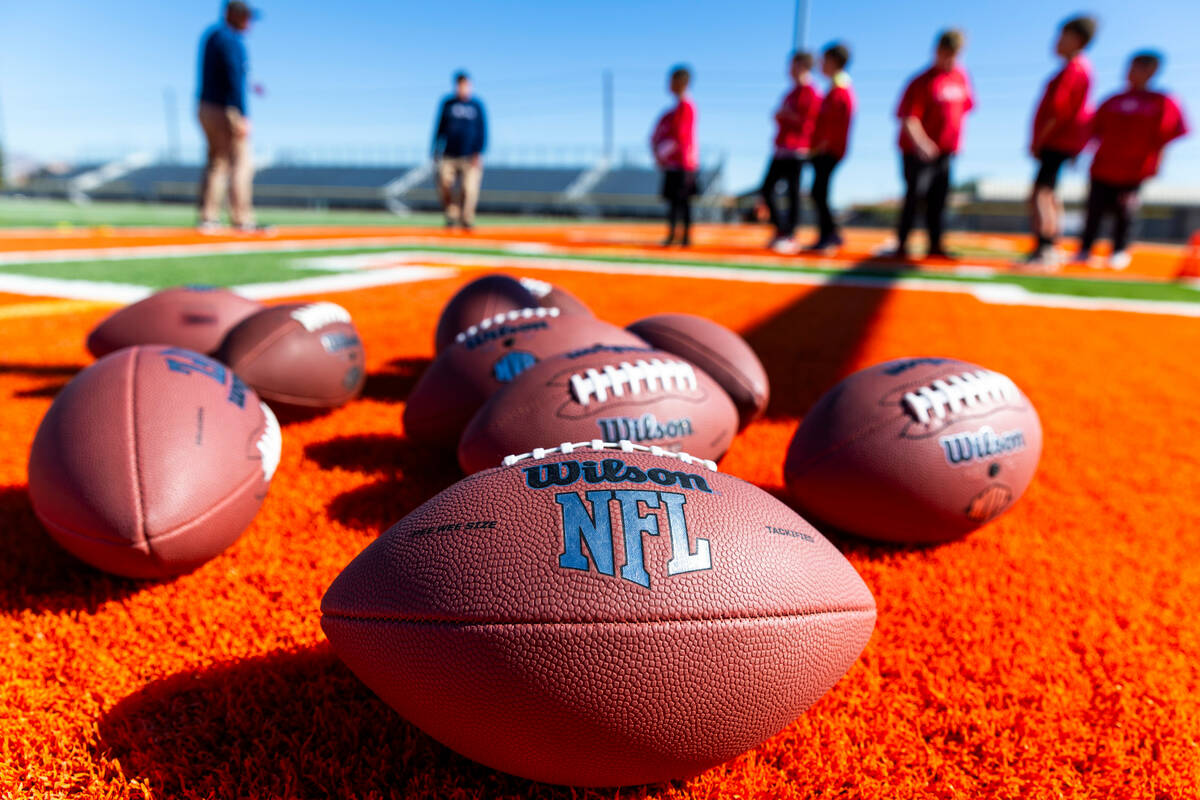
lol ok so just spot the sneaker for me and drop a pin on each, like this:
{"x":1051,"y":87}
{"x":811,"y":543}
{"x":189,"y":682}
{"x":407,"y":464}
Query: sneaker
{"x":254,"y":227}
{"x":784,"y":246}
{"x":208,"y":227}
{"x":468,"y":226}
{"x":893,"y":254}
{"x":1119,"y":260}
{"x":1045,"y":260}
{"x":825,"y":246}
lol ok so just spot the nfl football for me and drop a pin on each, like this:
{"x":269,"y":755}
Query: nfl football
{"x":718,"y":351}
{"x":490,"y":354}
{"x":915,"y":450}
{"x":602,"y":392}
{"x":599,"y":615}
{"x":298,"y":355}
{"x":482,"y":298}
{"x":152,"y":461}
{"x":550,"y":296}
{"x":193,"y":317}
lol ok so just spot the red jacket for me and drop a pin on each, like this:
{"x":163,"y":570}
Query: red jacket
{"x":940,"y":100}
{"x":674,"y":139}
{"x":1064,"y":109}
{"x":795,"y":130}
{"x":832,"y":131}
{"x":1131,"y":129}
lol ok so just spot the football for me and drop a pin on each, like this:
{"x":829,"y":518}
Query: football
{"x":915,"y":450}
{"x":718,"y":351}
{"x":490,"y":354}
{"x":193,"y":317}
{"x":602,"y":392}
{"x":152,"y":461}
{"x":298,"y":355}
{"x":550,"y":296}
{"x":482,"y":298}
{"x":600,"y":615}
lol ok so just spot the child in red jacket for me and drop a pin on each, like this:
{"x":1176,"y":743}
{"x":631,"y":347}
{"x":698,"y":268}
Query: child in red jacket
{"x":676,"y":153}
{"x":1060,"y":132}
{"x":794,"y":119}
{"x":829,"y":140}
{"x":1131,"y":129}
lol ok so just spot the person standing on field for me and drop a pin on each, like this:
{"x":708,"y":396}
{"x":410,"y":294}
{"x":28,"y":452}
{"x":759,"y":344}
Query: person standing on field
{"x":931,"y":112}
{"x":829,"y":140}
{"x":1131,"y":128}
{"x":1060,"y":132}
{"x":224,"y":66}
{"x":794,"y":119}
{"x":459,"y":140}
{"x":677,"y":154}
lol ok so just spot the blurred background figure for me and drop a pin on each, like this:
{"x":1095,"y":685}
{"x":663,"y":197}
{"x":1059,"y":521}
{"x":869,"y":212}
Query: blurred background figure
{"x":677,"y":154}
{"x":794,"y":120}
{"x":1131,"y":128}
{"x":931,"y":112}
{"x":830,"y":137}
{"x":1060,"y":132}
{"x":224,"y":67}
{"x":458,"y":144}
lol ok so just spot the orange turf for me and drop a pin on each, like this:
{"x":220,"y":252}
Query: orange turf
{"x":1055,"y":653}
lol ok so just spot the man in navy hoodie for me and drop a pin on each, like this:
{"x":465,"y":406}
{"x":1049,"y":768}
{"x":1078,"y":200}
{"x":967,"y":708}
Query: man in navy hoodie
{"x":458,"y":144}
{"x":223,"y":69}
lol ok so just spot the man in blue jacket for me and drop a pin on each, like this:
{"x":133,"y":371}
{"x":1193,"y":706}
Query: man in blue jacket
{"x":458,"y":144}
{"x":223,"y":117}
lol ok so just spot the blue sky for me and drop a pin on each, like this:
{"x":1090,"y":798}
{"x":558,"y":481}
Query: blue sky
{"x":361,"y":75}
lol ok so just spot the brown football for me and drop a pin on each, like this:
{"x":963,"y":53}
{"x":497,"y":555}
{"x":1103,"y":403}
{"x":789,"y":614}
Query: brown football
{"x":152,"y":461}
{"x":481,"y":298}
{"x":602,"y":392}
{"x":915,"y":450}
{"x":193,"y":317}
{"x":550,"y":296}
{"x":489,"y":355}
{"x":600,"y":615}
{"x":306,"y":355}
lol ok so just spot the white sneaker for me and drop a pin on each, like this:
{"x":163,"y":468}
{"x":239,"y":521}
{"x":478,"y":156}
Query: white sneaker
{"x":208,"y":227}
{"x":784,"y":246}
{"x":1119,"y":260}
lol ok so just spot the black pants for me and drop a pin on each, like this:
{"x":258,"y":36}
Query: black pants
{"x":823,"y":167}
{"x":678,"y":186}
{"x":928,"y":181}
{"x":788,"y":170}
{"x":1104,"y":199}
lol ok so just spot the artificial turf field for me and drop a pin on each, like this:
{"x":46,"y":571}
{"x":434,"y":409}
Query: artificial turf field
{"x":1054,"y":653}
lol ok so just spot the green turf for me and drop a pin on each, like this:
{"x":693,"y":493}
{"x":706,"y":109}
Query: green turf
{"x":231,"y":269}
{"x":26,"y":212}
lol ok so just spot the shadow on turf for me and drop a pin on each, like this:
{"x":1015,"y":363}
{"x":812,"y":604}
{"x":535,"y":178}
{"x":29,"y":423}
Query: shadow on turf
{"x":408,"y":476}
{"x":810,"y":345}
{"x":290,"y":724}
{"x":38,"y":575}
{"x":394,"y":385}
{"x":60,"y":373}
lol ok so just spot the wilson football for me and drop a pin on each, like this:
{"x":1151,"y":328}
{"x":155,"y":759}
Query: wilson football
{"x":915,"y":450}
{"x":300,"y":355}
{"x":602,"y":392}
{"x":152,"y":461}
{"x":718,"y":351}
{"x":193,"y":317}
{"x":482,"y":298}
{"x":490,"y":354}
{"x":600,"y":615}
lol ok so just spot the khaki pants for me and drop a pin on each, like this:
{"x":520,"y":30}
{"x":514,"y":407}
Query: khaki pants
{"x":229,"y":164}
{"x":469,"y":174}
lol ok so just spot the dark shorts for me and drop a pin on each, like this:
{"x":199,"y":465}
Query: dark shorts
{"x":1049,"y":165}
{"x":678,"y":184}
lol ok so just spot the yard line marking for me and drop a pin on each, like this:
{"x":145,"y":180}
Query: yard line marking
{"x":344,"y":282}
{"x":73,"y":289}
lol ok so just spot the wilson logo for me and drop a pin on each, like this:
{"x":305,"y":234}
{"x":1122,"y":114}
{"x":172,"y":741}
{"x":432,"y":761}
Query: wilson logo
{"x":588,"y":522}
{"x":963,"y":448}
{"x":608,"y":470}
{"x":645,"y":428}
{"x":483,"y":336}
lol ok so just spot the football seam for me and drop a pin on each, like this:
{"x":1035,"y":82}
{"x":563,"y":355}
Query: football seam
{"x":455,"y":623}
{"x":252,"y":355}
{"x":139,"y":489}
{"x":146,"y":541}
